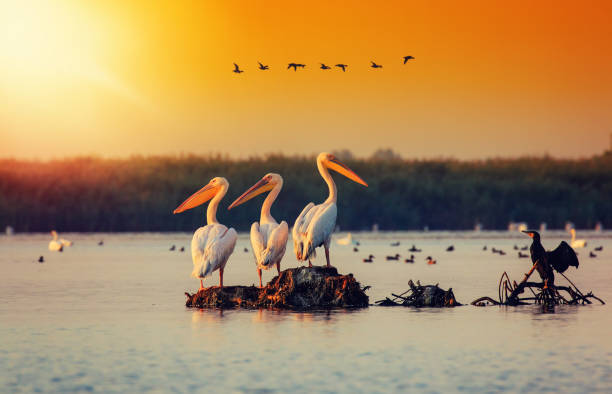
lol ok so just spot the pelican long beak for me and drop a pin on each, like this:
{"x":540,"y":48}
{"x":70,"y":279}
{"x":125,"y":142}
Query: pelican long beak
{"x":198,"y":198}
{"x":260,"y":187}
{"x":338,"y":166}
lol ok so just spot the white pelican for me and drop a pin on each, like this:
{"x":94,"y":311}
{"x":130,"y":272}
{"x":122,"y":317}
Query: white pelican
{"x":576,"y":243}
{"x":55,"y":245}
{"x":315,"y":224}
{"x":268,"y":238}
{"x":212,"y":244}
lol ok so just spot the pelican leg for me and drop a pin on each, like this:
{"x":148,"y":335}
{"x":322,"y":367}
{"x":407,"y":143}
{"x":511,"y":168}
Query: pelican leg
{"x":201,"y":285}
{"x":278,"y":267}
{"x":221,"y":278}
{"x":327,"y":255}
{"x":259,"y":273}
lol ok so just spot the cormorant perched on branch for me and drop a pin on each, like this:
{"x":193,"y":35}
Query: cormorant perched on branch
{"x":559,"y":259}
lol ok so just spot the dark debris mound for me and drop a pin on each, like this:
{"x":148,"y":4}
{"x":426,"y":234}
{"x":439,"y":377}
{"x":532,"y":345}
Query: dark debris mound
{"x":295,"y":288}
{"x":422,"y":296}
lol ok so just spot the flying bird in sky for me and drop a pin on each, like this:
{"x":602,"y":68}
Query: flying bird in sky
{"x":406,"y":58}
{"x":295,"y":66}
{"x":374,"y":65}
{"x":263,"y":67}
{"x":342,"y":66}
{"x":324,"y":67}
{"x":237,"y":69}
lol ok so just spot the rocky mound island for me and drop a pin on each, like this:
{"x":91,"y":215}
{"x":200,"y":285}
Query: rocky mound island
{"x":301,"y":288}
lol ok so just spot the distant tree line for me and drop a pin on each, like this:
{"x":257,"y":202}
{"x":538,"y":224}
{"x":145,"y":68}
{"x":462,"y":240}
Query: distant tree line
{"x":140,"y":193}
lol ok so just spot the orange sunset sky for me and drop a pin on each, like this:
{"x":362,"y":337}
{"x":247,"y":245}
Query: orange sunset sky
{"x":490,"y":78}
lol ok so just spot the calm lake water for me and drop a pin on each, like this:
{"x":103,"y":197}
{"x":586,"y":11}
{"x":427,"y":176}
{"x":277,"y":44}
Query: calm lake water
{"x":112,"y":319}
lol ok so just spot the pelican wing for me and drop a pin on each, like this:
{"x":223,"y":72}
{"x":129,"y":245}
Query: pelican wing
{"x":299,"y":229}
{"x":258,"y":243}
{"x":211,"y":247}
{"x":277,"y":243}
{"x":322,"y":225}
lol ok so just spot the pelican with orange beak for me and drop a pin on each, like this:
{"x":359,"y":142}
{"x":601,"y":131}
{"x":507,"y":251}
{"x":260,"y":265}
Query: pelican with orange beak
{"x":212,"y":244}
{"x":268,"y":238}
{"x":314,"y":226}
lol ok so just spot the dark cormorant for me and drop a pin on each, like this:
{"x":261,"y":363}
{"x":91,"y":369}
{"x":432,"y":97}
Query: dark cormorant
{"x":396,"y":257}
{"x":237,"y":69}
{"x":559,"y":259}
{"x":263,"y":67}
{"x":591,"y":254}
{"x":484,"y":247}
{"x":395,"y":243}
{"x":295,"y":66}
{"x":41,"y":259}
{"x":414,"y":249}
{"x":182,"y":248}
{"x":410,"y":260}
{"x":599,"y":248}
{"x":355,"y":249}
{"x":342,"y":66}
{"x":450,"y":248}
{"x":324,"y":67}
{"x":368,"y":260}
{"x":246,"y":250}
{"x":374,"y":65}
{"x":522,"y":255}
{"x":172,"y":248}
{"x":406,"y":58}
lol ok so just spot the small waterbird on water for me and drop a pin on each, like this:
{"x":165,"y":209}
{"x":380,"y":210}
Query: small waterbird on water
{"x":450,"y":248}
{"x":172,"y":248}
{"x":410,"y":260}
{"x":41,"y":259}
{"x":397,"y":243}
{"x":484,"y":247}
{"x":55,"y":245}
{"x":315,"y":224}
{"x":414,"y":249}
{"x":268,"y":237}
{"x":599,"y":249}
{"x":592,"y":255}
{"x":576,"y":243}
{"x":522,"y":255}
{"x":100,"y":243}
{"x":182,"y":248}
{"x":430,"y":260}
{"x":368,"y":259}
{"x":213,"y":243}
{"x":355,"y":249}
{"x":396,"y":257}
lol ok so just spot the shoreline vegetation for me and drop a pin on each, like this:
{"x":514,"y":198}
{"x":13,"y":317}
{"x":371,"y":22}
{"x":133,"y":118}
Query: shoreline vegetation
{"x":90,"y":194}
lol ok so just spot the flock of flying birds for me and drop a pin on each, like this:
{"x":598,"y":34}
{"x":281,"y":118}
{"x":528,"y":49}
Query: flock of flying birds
{"x":323,"y":66}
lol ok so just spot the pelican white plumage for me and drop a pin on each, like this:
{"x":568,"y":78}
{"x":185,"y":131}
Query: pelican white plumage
{"x":576,"y":243}
{"x":212,"y":244}
{"x":315,"y":224}
{"x":55,"y":245}
{"x":268,"y":237}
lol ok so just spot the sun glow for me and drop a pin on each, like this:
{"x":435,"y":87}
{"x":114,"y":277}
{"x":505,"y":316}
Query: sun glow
{"x":53,"y":59}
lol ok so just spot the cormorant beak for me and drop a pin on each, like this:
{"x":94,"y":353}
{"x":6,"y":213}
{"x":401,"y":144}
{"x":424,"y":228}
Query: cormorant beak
{"x":528,"y":233}
{"x":198,"y":198}
{"x":336,"y":165}
{"x":262,"y":186}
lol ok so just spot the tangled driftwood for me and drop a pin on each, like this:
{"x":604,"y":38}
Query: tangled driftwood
{"x":295,"y":288}
{"x":422,"y":296}
{"x":546,"y":294}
